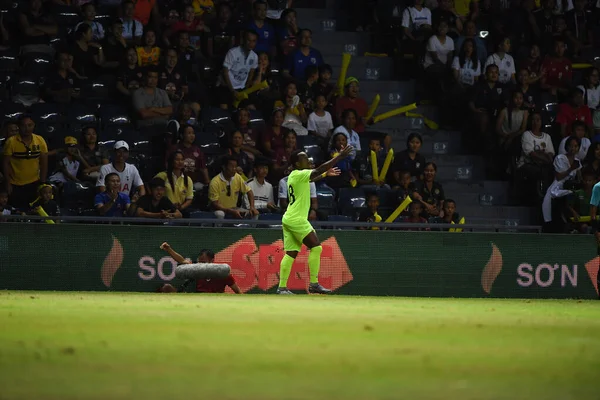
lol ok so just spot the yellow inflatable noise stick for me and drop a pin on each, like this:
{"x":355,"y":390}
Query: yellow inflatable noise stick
{"x":377,"y":219}
{"x":393,"y":113}
{"x":40,"y":211}
{"x":583,"y":218}
{"x":581,"y":66}
{"x":399,"y":210}
{"x":386,"y":164}
{"x":373,"y":107}
{"x":461,"y":222}
{"x":246,"y":92}
{"x":374,"y":166}
{"x":430,"y":124}
{"x":346,"y":58}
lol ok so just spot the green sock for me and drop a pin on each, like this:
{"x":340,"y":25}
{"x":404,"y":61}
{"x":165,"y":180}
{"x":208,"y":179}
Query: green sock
{"x":314,"y":263}
{"x":284,"y":270}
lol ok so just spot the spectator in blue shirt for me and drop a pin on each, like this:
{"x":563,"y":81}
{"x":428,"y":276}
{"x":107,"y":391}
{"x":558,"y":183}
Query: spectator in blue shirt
{"x":303,"y":57}
{"x":111,"y":202}
{"x":266,"y":33}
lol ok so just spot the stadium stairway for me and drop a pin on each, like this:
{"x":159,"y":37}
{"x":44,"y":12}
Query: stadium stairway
{"x":462,"y":176}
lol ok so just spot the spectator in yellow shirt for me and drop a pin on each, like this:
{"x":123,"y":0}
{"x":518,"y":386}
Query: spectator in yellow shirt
{"x":202,"y":7}
{"x":225,"y":189}
{"x":179,"y":187}
{"x":25,"y":163}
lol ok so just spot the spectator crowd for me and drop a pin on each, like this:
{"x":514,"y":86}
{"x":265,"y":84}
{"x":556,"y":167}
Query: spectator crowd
{"x":176,"y":109}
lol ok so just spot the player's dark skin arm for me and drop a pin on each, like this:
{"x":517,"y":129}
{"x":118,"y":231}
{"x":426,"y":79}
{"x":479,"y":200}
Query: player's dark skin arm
{"x":326,"y":166}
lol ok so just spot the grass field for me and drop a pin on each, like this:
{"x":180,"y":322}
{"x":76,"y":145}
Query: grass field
{"x":158,"y":346}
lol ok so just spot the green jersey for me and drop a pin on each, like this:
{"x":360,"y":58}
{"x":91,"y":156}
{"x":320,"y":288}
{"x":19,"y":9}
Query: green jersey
{"x":298,"y":196}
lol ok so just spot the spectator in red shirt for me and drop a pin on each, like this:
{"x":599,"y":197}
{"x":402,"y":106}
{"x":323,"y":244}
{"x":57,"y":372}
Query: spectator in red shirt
{"x":573,"y":110}
{"x":214,"y":285}
{"x":281,"y":159}
{"x":273,"y":138}
{"x":557,"y":71}
{"x":351,"y":100}
{"x":193,"y":157}
{"x":189,"y":23}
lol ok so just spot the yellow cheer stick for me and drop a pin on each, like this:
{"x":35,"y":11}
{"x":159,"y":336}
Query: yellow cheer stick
{"x":246,"y":92}
{"x":373,"y":107}
{"x":399,"y":210}
{"x":353,"y":183}
{"x":581,"y":66}
{"x":374,"y":166}
{"x":461,"y":222}
{"x":585,"y":218}
{"x":429,"y":123}
{"x":346,"y":58}
{"x":393,"y":113}
{"x":379,"y":55}
{"x":386,"y":164}
{"x":42,"y":213}
{"x":377,"y":219}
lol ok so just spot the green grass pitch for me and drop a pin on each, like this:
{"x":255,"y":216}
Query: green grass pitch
{"x":174,"y":346}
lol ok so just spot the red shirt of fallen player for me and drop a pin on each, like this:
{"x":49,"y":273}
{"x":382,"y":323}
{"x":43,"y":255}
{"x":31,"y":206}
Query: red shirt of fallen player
{"x":217,"y":285}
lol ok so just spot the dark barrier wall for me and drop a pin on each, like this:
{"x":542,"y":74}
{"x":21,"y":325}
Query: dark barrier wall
{"x":128,"y":258}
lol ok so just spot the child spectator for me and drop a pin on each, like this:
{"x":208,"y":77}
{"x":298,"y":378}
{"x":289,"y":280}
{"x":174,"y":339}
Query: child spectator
{"x":155,"y":204}
{"x":533,"y":64}
{"x":5,"y":208}
{"x":263,"y":190}
{"x":579,"y":130}
{"x":591,"y":90}
{"x":291,"y":103}
{"x":504,"y":61}
{"x":320,"y":123}
{"x":179,"y":187}
{"x":450,"y":213}
{"x":45,"y":201}
{"x":371,"y":214}
{"x":349,"y":118}
{"x":68,"y":164}
{"x":149,"y":52}
{"x":405,"y":189}
{"x":579,"y":204}
{"x":557,"y":71}
{"x":347,"y":177}
{"x":323,"y":86}
{"x":88,"y":11}
{"x":409,"y":160}
{"x":353,"y":102}
{"x":274,"y":135}
{"x":571,"y":111}
{"x":366,"y":175}
{"x":112,"y":202}
{"x":415,"y":210}
{"x":243,"y":162}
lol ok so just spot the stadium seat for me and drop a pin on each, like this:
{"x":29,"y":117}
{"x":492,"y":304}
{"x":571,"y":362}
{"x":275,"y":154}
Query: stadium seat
{"x":111,"y":134}
{"x":274,"y":220}
{"x":257,"y":121}
{"x":36,"y":64}
{"x":10,"y":111}
{"x":26,"y":90}
{"x":9,"y":62}
{"x":79,"y":115}
{"x":113,"y":114}
{"x":316,"y":153}
{"x":201,"y":215}
{"x":351,"y":199}
{"x":47,"y":112}
{"x":5,"y":82}
{"x":76,"y":195}
{"x":388,"y":199}
{"x":66,"y":16}
{"x":340,"y":218}
{"x":208,"y":143}
{"x":305,"y":141}
{"x":95,"y":91}
{"x":326,"y":198}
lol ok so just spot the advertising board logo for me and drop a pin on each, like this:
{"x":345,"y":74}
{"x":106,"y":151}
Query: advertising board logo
{"x":252,"y":265}
{"x":540,"y":275}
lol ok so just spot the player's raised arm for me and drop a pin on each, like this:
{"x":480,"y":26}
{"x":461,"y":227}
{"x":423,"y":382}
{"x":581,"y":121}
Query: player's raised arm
{"x":175,"y":255}
{"x":326,"y":167}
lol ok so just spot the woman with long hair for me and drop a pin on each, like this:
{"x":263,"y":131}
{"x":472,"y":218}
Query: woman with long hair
{"x":592,"y":160}
{"x":504,"y":61}
{"x":88,"y":56}
{"x":429,"y":192}
{"x":179,"y":187}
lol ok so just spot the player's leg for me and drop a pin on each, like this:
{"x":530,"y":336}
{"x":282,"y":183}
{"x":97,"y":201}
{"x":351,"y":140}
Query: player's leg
{"x":314,"y":262}
{"x":291,"y":245}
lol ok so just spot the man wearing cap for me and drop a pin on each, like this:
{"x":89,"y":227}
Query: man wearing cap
{"x":351,"y":100}
{"x":129,"y":177}
{"x":68,"y":164}
{"x":303,"y":57}
{"x":25,"y":163}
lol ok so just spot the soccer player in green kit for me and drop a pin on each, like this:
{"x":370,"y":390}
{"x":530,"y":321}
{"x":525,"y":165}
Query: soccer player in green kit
{"x":296,"y":228}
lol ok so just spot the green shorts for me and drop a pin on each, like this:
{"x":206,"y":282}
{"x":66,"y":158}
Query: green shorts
{"x":294,"y":234}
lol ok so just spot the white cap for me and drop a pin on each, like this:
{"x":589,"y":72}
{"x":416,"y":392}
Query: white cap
{"x":120,"y":144}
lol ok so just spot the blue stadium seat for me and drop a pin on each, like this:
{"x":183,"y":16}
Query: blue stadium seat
{"x":26,"y":90}
{"x":351,"y":199}
{"x":95,"y":91}
{"x":274,"y":219}
{"x":47,"y":112}
{"x":109,"y":135}
{"x":305,"y":141}
{"x":388,"y":199}
{"x":326,"y":198}
{"x":36,"y":63}
{"x":340,"y":218}
{"x":80,"y":115}
{"x":316,"y":153}
{"x":201,"y":215}
{"x":5,"y":82}
{"x":9,"y":62}
{"x":77,"y":195}
{"x":113,"y":114}
{"x":208,"y":143}
{"x":10,"y":111}
{"x":66,"y":16}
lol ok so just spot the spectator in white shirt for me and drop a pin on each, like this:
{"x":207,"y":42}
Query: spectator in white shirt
{"x":262,"y":190}
{"x":128,"y":173}
{"x":438,"y":58}
{"x":504,"y":62}
{"x":466,"y":66}
{"x":238,"y":70}
{"x":133,"y":30}
{"x":89,"y":14}
{"x":579,"y":130}
{"x":320,"y":123}
{"x":349,"y":118}
{"x":416,"y":20}
{"x":591,"y":89}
